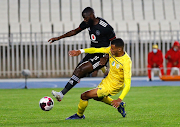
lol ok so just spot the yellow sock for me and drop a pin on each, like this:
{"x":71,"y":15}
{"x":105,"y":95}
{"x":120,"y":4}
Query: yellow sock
{"x":107,"y":100}
{"x":81,"y":107}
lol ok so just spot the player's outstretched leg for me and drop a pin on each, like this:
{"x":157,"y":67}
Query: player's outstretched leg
{"x":81,"y":108}
{"x":58,"y":95}
{"x":79,"y":72}
{"x":121,"y":109}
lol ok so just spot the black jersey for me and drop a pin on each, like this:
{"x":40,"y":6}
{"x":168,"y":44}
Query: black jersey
{"x":100,"y":34}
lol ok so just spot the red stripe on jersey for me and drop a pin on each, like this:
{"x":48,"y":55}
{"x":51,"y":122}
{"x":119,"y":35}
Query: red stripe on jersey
{"x":112,"y":38}
{"x":80,"y":28}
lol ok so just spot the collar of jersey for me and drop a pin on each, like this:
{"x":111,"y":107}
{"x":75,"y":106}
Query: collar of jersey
{"x":115,"y":58}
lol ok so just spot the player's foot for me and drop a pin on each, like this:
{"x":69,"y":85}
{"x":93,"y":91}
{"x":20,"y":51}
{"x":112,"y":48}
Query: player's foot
{"x":121,"y":109}
{"x":75,"y":116}
{"x":58,"y":95}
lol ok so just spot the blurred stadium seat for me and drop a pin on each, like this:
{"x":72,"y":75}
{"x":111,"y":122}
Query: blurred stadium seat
{"x":44,"y":11}
{"x":25,"y":32}
{"x":155,"y":31}
{"x":138,"y":13}
{"x":76,"y":11}
{"x":34,"y":11}
{"x":144,"y":31}
{"x":4,"y":11}
{"x":159,"y":10}
{"x":96,"y":5}
{"x":148,"y":10}
{"x":15,"y":33}
{"x":169,"y":10}
{"x":177,"y":9}
{"x":107,"y":10}
{"x":24,"y":11}
{"x":4,"y":33}
{"x":117,"y":10}
{"x":55,"y":11}
{"x":175,"y":28}
{"x":127,"y":9}
{"x":13,"y":11}
{"x":165,"y":31}
{"x":65,"y":10}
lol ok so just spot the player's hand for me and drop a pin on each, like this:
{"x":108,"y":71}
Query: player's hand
{"x":103,"y":60}
{"x":74,"y":53}
{"x":116,"y":103}
{"x":53,"y":39}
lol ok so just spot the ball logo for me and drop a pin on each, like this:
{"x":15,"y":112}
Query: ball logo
{"x":93,"y":37}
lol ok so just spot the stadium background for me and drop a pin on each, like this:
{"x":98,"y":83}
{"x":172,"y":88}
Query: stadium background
{"x":27,"y":25}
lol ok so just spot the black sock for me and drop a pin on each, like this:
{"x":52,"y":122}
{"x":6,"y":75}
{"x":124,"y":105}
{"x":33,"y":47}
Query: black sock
{"x":72,"y":82}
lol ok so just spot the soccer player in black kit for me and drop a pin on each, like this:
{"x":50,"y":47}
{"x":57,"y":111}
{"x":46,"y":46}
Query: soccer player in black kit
{"x":101,"y":33}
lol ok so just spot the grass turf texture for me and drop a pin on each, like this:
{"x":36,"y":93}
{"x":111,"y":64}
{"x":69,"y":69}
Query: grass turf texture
{"x":146,"y":107}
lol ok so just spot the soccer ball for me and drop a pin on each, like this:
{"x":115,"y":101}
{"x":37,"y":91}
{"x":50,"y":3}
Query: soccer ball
{"x":46,"y":103}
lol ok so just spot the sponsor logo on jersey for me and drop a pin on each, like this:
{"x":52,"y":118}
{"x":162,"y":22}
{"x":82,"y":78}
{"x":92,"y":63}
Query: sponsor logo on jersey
{"x":93,"y":37}
{"x":97,"y":32}
{"x":113,"y":63}
{"x":117,"y":66}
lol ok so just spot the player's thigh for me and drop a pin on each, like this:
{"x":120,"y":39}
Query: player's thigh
{"x":83,"y":69}
{"x":89,"y":94}
{"x":95,"y":60}
{"x":102,"y":91}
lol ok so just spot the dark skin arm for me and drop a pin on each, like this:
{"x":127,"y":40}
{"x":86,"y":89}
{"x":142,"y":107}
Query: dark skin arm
{"x":104,"y":59}
{"x":68,"y":34}
{"x":116,"y":103}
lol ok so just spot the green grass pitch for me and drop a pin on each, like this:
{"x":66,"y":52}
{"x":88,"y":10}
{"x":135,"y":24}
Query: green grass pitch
{"x":145,"y":107}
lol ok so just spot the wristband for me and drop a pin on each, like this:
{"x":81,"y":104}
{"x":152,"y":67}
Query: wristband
{"x":82,"y":50}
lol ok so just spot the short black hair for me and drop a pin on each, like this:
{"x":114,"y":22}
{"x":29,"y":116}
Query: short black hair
{"x":118,"y":42}
{"x":88,"y":10}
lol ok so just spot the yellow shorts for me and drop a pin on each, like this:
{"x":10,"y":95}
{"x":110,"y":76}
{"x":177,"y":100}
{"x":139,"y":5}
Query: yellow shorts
{"x":104,"y":90}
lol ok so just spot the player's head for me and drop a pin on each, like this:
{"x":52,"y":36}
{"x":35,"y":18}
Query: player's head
{"x":117,"y":46}
{"x":88,"y":15}
{"x":176,"y":46}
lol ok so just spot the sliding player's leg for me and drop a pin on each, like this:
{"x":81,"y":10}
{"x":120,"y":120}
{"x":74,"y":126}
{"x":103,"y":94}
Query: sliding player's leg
{"x":90,"y":94}
{"x":83,"y":103}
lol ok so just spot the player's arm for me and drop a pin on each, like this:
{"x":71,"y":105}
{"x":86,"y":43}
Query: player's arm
{"x":89,"y":50}
{"x":68,"y":34}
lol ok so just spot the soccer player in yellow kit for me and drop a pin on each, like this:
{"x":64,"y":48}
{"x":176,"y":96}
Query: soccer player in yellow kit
{"x":118,"y":79}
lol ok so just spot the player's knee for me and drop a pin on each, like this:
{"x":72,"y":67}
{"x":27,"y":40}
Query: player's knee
{"x":84,"y":96}
{"x":98,"y":99}
{"x":80,"y":71}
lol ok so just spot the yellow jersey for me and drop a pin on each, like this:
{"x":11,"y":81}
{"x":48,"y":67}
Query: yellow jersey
{"x":119,"y":75}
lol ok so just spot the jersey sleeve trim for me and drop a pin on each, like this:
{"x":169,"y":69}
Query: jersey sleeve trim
{"x":112,"y":38}
{"x":80,"y":28}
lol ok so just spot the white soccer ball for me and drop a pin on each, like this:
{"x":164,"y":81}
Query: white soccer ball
{"x":46,"y":103}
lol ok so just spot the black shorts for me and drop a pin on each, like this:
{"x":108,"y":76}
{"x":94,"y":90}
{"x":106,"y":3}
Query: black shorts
{"x":94,"y":59}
